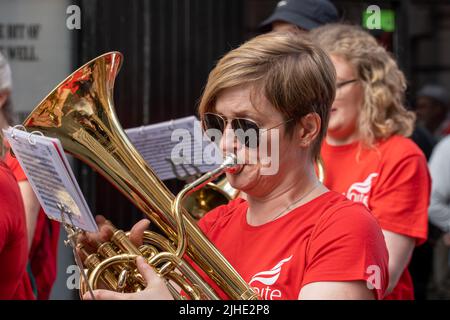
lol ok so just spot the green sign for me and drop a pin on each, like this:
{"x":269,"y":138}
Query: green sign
{"x":375,"y":18}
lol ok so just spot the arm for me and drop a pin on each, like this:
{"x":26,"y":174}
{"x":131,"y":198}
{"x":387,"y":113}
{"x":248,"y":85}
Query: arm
{"x":439,"y":211}
{"x":347,"y":257}
{"x":400,"y":249}
{"x":31,"y":206}
{"x":400,"y":201}
{"x":348,"y":290}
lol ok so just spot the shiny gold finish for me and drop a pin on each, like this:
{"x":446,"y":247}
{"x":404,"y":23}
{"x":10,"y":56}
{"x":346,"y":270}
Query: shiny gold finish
{"x":209,"y":197}
{"x":80,"y":113}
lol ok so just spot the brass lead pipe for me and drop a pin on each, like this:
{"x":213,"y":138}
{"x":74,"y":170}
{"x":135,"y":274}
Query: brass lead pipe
{"x":177,"y":207}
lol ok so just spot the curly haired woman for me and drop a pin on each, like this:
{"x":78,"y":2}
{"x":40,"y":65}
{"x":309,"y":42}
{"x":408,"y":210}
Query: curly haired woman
{"x":367,"y":154}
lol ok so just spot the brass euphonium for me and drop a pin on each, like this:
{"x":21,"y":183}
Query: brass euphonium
{"x":80,"y":113}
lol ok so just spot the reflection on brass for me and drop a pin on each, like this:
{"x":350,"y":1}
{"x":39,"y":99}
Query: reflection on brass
{"x":320,"y":169}
{"x":80,"y":113}
{"x":207,"y":198}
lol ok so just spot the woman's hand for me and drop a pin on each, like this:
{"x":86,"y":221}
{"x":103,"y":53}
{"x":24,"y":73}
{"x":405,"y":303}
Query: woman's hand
{"x":156,"y":287}
{"x":90,"y":241}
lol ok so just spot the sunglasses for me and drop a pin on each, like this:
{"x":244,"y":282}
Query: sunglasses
{"x":242,"y":128}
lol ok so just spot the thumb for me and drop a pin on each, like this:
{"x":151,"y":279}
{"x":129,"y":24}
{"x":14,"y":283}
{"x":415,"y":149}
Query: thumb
{"x":104,"y":295}
{"x":150,"y":276}
{"x":137,"y":232}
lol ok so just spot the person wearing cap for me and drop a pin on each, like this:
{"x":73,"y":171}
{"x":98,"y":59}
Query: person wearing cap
{"x":432,"y":108}
{"x":300,"y":15}
{"x":42,"y":234}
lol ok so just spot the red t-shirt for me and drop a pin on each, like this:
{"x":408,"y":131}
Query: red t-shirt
{"x":326,"y":239}
{"x":44,"y":247}
{"x":392,"y":180}
{"x":14,"y":281}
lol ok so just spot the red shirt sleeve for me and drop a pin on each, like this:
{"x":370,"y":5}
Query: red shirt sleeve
{"x":14,"y":282}
{"x":4,"y":226}
{"x":401,"y":198}
{"x":348,"y":245}
{"x":15,"y":167}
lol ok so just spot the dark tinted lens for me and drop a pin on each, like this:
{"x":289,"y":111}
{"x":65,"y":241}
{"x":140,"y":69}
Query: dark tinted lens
{"x":213,"y":125}
{"x":213,"y":121}
{"x":246,"y":131}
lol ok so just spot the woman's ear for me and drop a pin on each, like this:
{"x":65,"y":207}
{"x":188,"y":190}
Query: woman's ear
{"x":310,"y":125}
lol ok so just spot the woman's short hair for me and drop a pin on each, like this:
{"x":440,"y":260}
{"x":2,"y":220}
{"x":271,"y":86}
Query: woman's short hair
{"x":295,"y":76}
{"x":383,"y":113}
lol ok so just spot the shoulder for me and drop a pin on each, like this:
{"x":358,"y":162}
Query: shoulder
{"x":399,"y":147}
{"x":221,"y":214}
{"x":401,"y":156}
{"x":343,"y":216}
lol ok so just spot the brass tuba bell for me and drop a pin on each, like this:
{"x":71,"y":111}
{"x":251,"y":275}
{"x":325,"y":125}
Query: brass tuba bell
{"x":80,"y":113}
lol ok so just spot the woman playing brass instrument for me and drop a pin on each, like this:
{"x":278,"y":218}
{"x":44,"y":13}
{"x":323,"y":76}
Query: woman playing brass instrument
{"x":291,"y":238}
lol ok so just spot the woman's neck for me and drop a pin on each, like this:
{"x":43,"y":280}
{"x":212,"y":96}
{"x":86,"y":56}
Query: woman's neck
{"x":340,"y":141}
{"x":300,"y":182}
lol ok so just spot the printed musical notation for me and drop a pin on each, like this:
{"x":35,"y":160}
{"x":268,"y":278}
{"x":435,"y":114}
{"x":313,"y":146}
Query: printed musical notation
{"x":175,"y":149}
{"x":44,"y":162}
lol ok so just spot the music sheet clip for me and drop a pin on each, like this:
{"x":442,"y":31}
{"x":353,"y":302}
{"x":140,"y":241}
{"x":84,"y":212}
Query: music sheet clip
{"x":17,"y":127}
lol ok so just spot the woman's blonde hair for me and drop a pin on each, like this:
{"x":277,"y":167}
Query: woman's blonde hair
{"x":295,"y":75}
{"x":383,"y":113}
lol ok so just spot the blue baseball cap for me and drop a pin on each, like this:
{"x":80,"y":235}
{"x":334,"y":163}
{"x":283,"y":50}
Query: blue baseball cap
{"x":306,"y":14}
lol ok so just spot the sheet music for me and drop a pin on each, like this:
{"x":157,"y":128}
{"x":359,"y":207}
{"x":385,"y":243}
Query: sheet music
{"x":44,"y":162}
{"x":157,"y":144}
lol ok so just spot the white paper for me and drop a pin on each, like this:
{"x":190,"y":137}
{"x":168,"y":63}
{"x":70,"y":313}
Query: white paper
{"x":158,"y":144}
{"x":44,"y":162}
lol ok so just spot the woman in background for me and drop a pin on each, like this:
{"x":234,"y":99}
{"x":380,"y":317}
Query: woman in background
{"x":14,"y":281}
{"x":42,"y":233}
{"x":366,"y":153}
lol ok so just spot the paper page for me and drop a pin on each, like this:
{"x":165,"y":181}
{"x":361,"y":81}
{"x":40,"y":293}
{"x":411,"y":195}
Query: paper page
{"x":176,"y":148}
{"x":51,"y":177}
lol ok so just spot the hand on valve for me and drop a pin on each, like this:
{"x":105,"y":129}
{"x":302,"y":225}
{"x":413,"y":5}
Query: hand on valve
{"x":156,"y":288}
